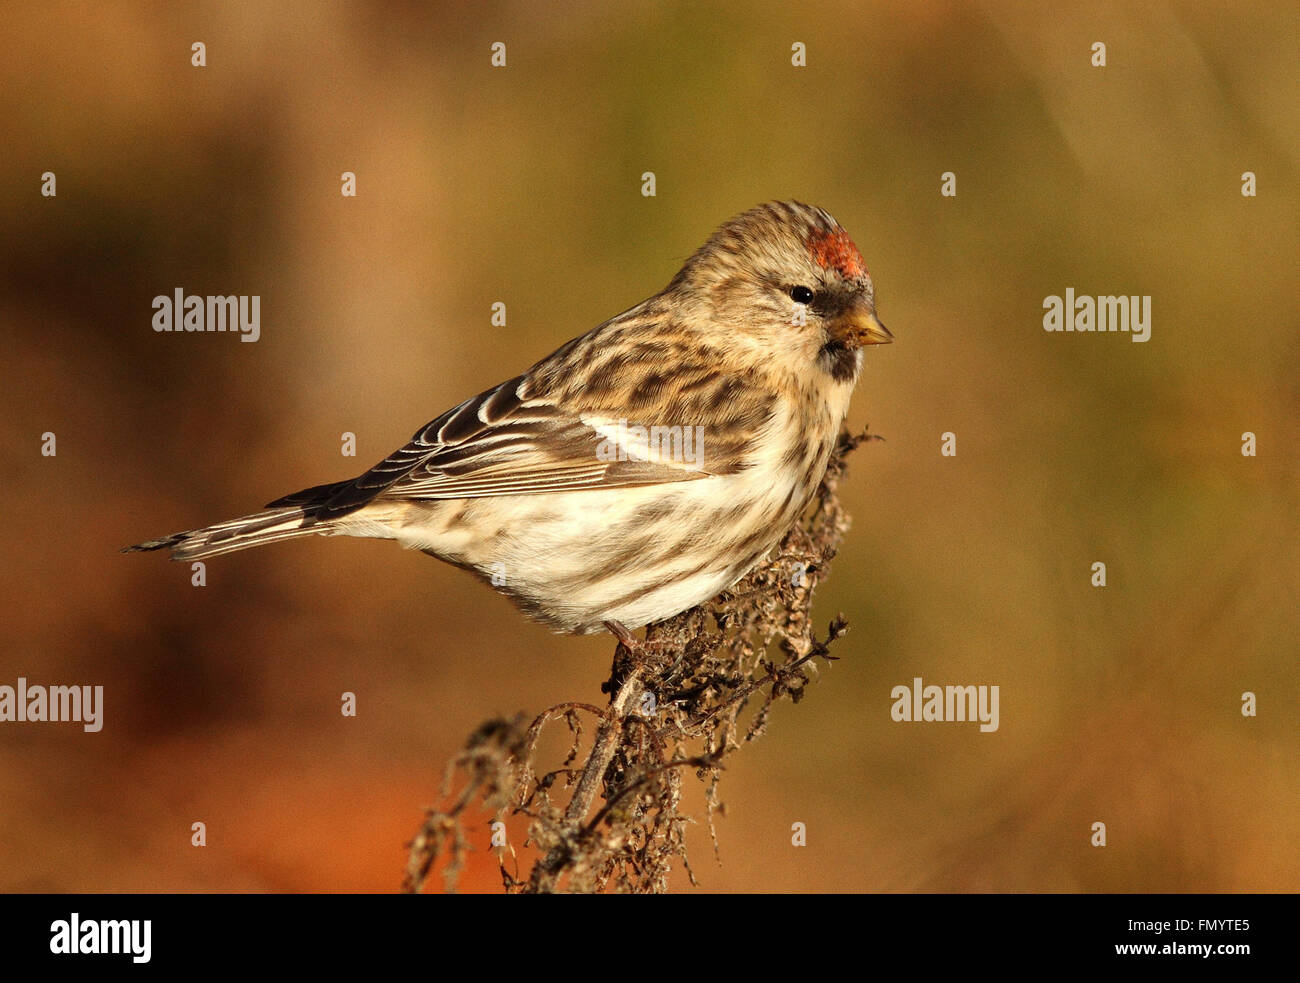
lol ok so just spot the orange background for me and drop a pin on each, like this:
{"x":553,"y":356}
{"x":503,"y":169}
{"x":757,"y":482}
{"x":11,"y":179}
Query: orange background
{"x":522,"y":185}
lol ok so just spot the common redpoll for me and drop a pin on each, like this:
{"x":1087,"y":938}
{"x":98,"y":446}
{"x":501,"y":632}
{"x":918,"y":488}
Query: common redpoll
{"x":644,"y":466}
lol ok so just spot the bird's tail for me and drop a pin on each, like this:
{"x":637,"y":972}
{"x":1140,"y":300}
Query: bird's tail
{"x":243,"y":533}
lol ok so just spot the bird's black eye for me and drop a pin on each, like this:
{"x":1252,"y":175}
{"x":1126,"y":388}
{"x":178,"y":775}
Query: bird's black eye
{"x":801,"y":295}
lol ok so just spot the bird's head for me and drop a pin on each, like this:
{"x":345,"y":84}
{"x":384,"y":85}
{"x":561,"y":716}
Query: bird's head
{"x":784,"y":281}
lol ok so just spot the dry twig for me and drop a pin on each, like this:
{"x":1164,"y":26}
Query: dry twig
{"x":752,"y":645}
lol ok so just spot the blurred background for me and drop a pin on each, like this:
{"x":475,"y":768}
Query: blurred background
{"x":523,"y":185}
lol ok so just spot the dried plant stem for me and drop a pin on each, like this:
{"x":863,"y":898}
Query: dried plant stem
{"x":590,"y":781}
{"x":739,"y":654}
{"x":602,"y":751}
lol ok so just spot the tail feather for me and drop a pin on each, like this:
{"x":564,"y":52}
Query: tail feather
{"x":316,"y":495}
{"x":243,"y":533}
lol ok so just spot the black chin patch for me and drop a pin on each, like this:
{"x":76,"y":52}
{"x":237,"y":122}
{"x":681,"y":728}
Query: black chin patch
{"x":839,"y":360}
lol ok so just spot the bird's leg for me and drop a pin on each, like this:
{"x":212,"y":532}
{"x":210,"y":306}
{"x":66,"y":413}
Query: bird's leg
{"x":637,"y":653}
{"x":642,"y":650}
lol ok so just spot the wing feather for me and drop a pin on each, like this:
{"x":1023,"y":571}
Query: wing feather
{"x":539,"y":432}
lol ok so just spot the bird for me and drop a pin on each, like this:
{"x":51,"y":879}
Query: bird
{"x":643,"y":467}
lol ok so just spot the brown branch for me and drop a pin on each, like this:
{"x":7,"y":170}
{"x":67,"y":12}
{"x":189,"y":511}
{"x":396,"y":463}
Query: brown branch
{"x":731,"y":658}
{"x":593,"y":774}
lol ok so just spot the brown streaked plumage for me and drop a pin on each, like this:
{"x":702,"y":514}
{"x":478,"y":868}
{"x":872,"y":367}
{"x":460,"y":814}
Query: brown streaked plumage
{"x":641,"y":467}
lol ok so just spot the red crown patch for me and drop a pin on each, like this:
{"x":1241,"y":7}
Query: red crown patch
{"x":835,"y":250}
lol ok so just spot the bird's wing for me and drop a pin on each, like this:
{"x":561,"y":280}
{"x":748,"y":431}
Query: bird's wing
{"x":539,"y":432}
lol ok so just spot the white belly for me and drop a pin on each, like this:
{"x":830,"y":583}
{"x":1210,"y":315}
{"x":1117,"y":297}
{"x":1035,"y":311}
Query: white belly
{"x":574,"y":559}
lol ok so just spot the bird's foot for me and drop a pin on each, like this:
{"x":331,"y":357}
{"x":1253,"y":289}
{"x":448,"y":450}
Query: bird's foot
{"x":648,"y":650}
{"x":646,"y":655}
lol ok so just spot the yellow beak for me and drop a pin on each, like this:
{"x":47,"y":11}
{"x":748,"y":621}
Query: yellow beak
{"x":860,"y":326}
